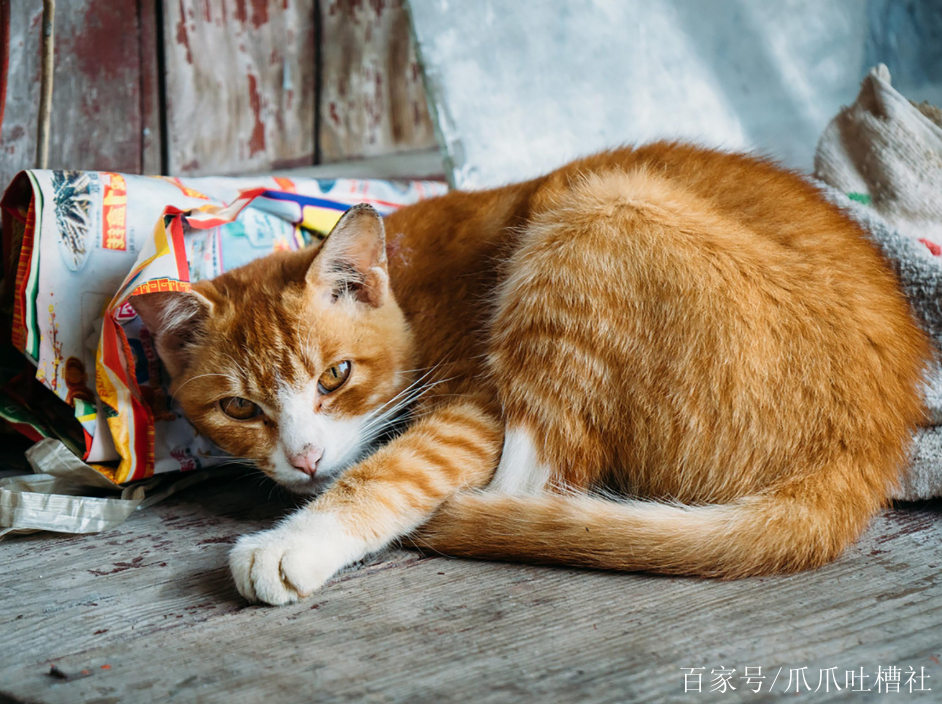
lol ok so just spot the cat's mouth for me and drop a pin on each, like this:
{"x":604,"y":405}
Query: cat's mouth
{"x":315,"y":485}
{"x":336,"y":458}
{"x":300,"y":483}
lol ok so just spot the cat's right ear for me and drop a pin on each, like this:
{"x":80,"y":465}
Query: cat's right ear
{"x":352,"y":260}
{"x":176,"y":320}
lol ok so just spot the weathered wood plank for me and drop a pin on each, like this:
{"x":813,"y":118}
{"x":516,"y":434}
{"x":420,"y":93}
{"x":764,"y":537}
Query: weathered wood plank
{"x":240,"y":85}
{"x":151,"y":136}
{"x":134,"y":579}
{"x":372,"y":98}
{"x":154,"y":604}
{"x":423,"y":165}
{"x":141,"y":578}
{"x":96,"y":110}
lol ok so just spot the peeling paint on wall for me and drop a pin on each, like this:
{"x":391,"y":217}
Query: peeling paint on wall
{"x":232,"y":68}
{"x":373,"y":100}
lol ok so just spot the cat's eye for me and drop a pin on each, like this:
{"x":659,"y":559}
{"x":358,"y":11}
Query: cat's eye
{"x":333,"y":378}
{"x":239,"y":408}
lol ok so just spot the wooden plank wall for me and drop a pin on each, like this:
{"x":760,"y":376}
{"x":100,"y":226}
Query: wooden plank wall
{"x":372,"y":97}
{"x":239,"y":88}
{"x":240,"y":84}
{"x":101,"y":94}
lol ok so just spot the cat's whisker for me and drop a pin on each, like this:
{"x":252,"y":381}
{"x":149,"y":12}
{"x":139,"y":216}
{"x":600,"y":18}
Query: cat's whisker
{"x":400,"y":372}
{"x":396,"y":403}
{"x":243,"y":463}
{"x":380,"y":424}
{"x":402,"y":399}
{"x":406,"y":390}
{"x":173,"y":396}
{"x":237,"y":365}
{"x":306,"y":345}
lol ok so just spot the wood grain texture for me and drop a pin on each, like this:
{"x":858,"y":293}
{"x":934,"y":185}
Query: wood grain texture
{"x":151,"y":135}
{"x":96,"y":109}
{"x":422,"y":165}
{"x":240,"y":85}
{"x":149,"y":613}
{"x":372,"y":98}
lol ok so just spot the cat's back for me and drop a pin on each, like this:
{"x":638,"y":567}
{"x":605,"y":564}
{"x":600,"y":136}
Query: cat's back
{"x":751,"y":211}
{"x":760,"y":195}
{"x":756,"y":246}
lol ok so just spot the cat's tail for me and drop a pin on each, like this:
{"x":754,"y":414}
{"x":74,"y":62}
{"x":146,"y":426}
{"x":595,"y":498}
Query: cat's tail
{"x":802,"y":524}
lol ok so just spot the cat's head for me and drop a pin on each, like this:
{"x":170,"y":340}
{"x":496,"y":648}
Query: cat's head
{"x":295,"y":361}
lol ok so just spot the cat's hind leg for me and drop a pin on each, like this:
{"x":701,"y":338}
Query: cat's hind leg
{"x":521,"y":470}
{"x":606,"y":344}
{"x":557,"y":354}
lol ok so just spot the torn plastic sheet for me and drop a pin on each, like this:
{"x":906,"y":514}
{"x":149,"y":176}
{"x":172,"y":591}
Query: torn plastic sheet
{"x":66,"y":495}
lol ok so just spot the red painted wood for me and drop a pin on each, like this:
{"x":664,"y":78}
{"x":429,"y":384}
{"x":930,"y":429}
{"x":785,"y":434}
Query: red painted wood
{"x":240,"y":84}
{"x":4,"y":55}
{"x":151,"y":144}
{"x":96,"y":109}
{"x":372,"y":99}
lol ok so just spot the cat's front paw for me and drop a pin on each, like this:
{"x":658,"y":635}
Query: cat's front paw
{"x":287,"y":563}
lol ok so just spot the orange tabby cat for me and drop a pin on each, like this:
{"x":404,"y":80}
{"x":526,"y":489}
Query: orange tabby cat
{"x":698,"y":331}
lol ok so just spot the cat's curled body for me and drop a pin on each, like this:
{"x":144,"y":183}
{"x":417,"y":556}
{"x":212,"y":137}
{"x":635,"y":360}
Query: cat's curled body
{"x":698,"y":331}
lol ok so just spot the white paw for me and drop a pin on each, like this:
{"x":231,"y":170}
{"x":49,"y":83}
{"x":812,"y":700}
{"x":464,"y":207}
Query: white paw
{"x":293,"y":560}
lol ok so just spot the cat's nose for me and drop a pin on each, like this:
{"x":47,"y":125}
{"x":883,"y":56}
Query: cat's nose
{"x":306,"y":460}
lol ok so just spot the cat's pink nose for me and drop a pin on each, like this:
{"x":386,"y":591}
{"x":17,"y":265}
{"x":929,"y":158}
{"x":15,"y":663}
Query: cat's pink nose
{"x":306,"y":460}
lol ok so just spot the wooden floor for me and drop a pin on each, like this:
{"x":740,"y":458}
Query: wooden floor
{"x":147,"y":613}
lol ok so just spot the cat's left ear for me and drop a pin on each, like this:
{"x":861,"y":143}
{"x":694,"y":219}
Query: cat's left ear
{"x":352,"y":260}
{"x":177,"y":322}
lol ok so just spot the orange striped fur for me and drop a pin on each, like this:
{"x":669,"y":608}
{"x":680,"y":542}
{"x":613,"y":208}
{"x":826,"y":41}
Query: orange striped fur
{"x":698,"y":332}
